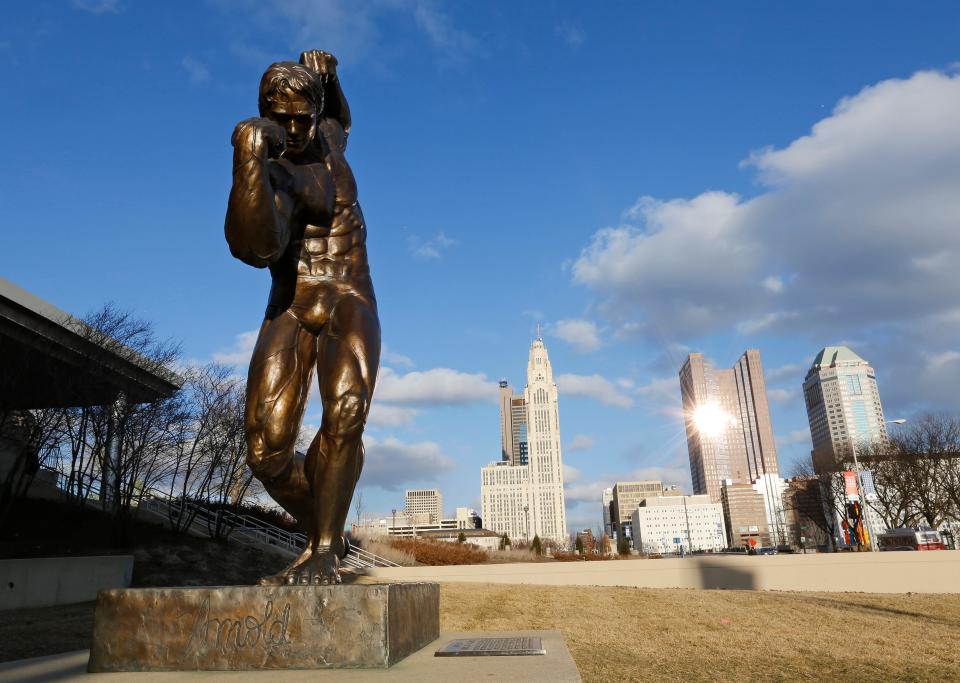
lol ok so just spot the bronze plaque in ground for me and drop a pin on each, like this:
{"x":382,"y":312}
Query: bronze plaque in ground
{"x":491,"y":647}
{"x":262,"y":627}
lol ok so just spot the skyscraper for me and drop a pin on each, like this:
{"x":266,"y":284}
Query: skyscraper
{"x":606,"y":498}
{"x":525,"y":499}
{"x":843,"y":404}
{"x":728,"y":425}
{"x":513,"y":426}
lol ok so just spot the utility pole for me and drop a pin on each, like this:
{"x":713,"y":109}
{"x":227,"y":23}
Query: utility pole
{"x":687,"y":516}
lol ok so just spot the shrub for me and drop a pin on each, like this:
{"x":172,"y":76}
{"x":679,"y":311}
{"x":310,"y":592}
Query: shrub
{"x":436,"y":553}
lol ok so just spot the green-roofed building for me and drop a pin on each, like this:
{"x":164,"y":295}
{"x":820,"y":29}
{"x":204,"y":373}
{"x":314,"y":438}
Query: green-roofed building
{"x":843,"y":405}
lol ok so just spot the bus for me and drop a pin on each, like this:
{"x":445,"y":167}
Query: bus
{"x":910,"y":539}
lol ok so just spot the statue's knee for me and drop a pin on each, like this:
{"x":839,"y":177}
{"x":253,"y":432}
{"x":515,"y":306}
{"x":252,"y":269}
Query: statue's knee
{"x":267,"y":457}
{"x":349,"y":414}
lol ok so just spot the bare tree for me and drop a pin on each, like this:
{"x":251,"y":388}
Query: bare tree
{"x":358,"y":504}
{"x":34,"y":437}
{"x":928,"y":450}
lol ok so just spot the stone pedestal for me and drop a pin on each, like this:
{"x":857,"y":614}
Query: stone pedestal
{"x":262,"y":627}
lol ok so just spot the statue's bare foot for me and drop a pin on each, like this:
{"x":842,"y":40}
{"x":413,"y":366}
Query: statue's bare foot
{"x":281,"y":577}
{"x":321,"y":568}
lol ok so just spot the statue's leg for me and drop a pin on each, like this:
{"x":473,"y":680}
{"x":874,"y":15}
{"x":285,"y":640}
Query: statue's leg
{"x":277,"y":387}
{"x":350,"y":356}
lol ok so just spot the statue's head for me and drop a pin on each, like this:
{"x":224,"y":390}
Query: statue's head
{"x":291,"y":95}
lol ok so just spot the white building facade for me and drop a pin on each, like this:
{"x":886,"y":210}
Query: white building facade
{"x":663,"y":525}
{"x":524,"y":501}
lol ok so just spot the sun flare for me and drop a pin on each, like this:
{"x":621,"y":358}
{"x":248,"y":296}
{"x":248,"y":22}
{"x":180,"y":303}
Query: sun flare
{"x":710,"y":419}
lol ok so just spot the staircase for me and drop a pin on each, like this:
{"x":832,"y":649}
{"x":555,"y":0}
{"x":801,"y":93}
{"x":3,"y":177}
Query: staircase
{"x":242,"y":529}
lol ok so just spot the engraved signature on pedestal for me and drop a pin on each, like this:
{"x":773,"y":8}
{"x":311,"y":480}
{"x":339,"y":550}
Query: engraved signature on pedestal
{"x":268,"y":631}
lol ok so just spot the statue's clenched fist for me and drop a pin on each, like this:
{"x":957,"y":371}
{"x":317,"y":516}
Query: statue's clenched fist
{"x":320,"y":62}
{"x":259,"y":138}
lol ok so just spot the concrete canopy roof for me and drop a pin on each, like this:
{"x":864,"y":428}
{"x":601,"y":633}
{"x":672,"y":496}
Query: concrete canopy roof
{"x":50,"y":359}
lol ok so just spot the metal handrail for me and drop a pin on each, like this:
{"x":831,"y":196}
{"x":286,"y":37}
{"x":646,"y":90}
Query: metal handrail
{"x":254,"y":531}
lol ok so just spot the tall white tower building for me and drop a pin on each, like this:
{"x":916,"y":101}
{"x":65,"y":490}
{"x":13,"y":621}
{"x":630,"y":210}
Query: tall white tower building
{"x":527,"y":500}
{"x":843,"y":405}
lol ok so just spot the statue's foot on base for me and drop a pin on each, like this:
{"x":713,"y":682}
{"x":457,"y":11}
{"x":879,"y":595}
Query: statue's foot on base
{"x":318,"y":567}
{"x":280,"y":578}
{"x":321,"y":568}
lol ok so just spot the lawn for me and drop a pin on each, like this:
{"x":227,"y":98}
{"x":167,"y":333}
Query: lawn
{"x":626,"y":634}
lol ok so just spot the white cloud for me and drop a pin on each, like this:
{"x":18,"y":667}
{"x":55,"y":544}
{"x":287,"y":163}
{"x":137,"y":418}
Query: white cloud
{"x":385,"y":415}
{"x":431,"y":248}
{"x":581,"y":334}
{"x":239,"y":354}
{"x":197,"y":70}
{"x":939,"y":361}
{"x":772,"y":284}
{"x":798,"y":436}
{"x":570,"y":473}
{"x":792,"y":372}
{"x":595,"y":387}
{"x":780,"y":395}
{"x":443,"y":34}
{"x":572,"y":35}
{"x":98,"y":6}
{"x":438,"y":386}
{"x":387,"y":355}
{"x":391,"y":463}
{"x":580,"y":442}
{"x":861,"y":213}
{"x":765,"y":321}
{"x":351,"y":30}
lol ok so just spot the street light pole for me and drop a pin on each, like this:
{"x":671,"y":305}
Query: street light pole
{"x":863,"y":493}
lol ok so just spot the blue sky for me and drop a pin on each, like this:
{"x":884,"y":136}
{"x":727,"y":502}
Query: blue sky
{"x":642,"y":179}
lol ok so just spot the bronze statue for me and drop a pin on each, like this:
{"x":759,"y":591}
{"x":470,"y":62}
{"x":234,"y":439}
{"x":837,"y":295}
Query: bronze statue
{"x":293,"y":209}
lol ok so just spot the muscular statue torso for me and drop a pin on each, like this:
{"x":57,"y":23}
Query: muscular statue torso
{"x":327,"y":243}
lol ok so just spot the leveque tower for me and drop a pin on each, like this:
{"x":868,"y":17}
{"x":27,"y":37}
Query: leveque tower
{"x":523,"y":498}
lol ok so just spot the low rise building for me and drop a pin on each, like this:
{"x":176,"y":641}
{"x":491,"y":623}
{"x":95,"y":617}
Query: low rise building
{"x":666,"y":523}
{"x":403,"y":524}
{"x":424,"y":501}
{"x":483,"y":538}
{"x":627,"y":496}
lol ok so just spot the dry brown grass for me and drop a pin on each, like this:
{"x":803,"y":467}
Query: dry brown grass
{"x":384,"y":549}
{"x":630,"y":634}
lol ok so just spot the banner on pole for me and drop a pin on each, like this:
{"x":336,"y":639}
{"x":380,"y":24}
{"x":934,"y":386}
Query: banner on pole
{"x":869,"y":487}
{"x":850,"y":484}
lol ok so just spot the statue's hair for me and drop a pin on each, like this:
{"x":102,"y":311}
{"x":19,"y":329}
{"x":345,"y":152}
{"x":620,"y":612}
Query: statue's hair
{"x":282,"y":76}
